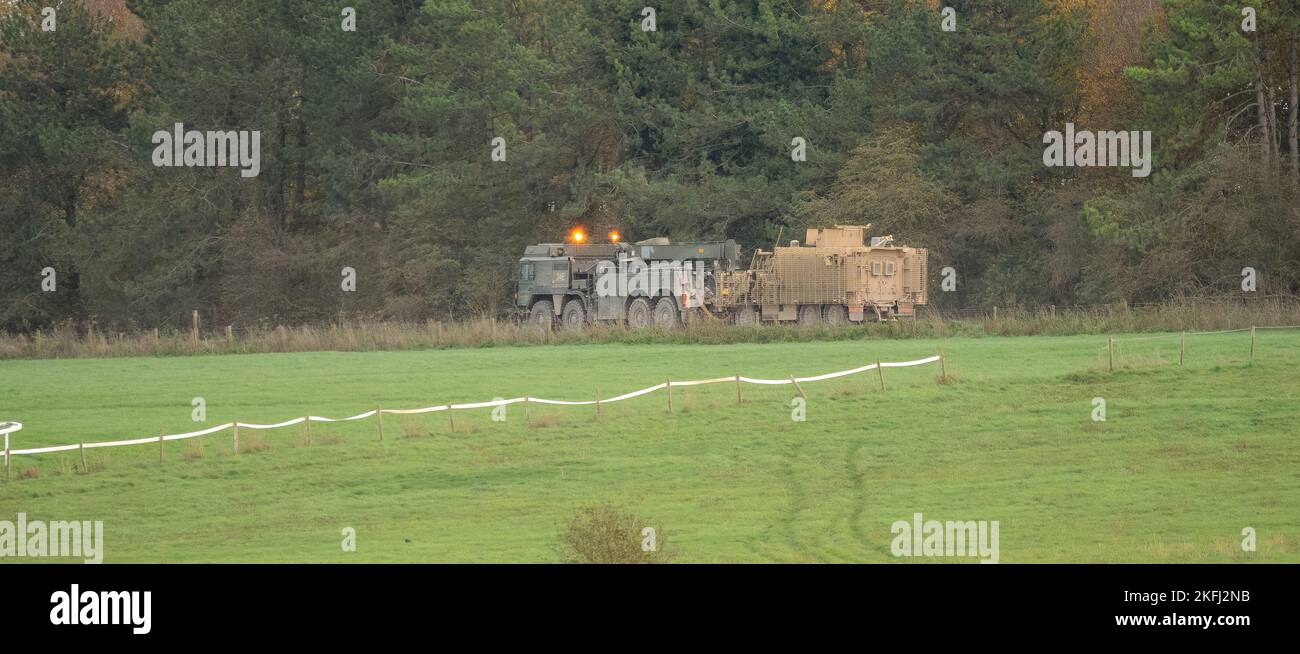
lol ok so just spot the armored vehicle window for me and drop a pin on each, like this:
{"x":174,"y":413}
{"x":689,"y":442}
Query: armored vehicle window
{"x":889,"y":268}
{"x":875,"y":268}
{"x":526,"y":271}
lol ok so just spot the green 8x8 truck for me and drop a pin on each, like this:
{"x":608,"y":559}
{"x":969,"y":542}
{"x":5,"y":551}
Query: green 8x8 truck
{"x":654,"y":282}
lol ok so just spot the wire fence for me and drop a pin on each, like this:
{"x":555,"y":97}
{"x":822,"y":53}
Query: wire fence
{"x":7,"y":428}
{"x":1111,"y":308}
{"x":1182,"y":340}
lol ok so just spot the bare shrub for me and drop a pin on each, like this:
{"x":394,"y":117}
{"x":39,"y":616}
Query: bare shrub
{"x":607,"y":534}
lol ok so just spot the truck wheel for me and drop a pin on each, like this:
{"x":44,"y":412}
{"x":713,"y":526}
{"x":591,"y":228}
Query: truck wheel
{"x":746,"y":316}
{"x":810,"y":314}
{"x":638,"y":313}
{"x":666,"y":314}
{"x":574,"y":316}
{"x":542,"y":314}
{"x":836,"y":314}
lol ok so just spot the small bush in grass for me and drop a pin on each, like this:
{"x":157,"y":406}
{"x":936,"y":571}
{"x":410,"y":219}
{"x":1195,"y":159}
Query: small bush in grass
{"x":547,"y":420}
{"x":253,"y":443}
{"x":325,"y":438}
{"x":96,"y":460}
{"x":194,"y":449}
{"x":29,"y":473}
{"x":608,"y":534}
{"x":411,"y":428}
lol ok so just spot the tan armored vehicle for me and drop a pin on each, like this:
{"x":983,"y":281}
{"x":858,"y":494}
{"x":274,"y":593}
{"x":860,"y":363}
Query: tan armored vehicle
{"x":833,"y":277}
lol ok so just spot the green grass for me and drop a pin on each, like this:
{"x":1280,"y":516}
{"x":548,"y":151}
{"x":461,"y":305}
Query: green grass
{"x":1186,"y":458}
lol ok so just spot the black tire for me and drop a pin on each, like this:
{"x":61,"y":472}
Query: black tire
{"x":810,"y":314}
{"x":638,"y":313}
{"x":836,"y":314}
{"x":542,"y":314}
{"x":746,"y":316}
{"x":666,"y":315}
{"x":574,"y":315}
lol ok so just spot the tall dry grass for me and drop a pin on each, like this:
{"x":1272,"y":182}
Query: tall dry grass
{"x":71,"y":340}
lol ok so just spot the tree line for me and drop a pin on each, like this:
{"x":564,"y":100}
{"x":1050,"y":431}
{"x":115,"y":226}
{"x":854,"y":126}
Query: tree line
{"x":377,"y":144}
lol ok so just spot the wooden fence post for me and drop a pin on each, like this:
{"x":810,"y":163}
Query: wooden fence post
{"x":597,"y":400}
{"x":160,"y":445}
{"x":309,"y":431}
{"x":1252,"y":342}
{"x":8,"y":457}
{"x":943,"y":365}
{"x":194,"y":326}
{"x":81,"y":445}
{"x":797,"y":387}
{"x":881,"y":371}
{"x":528,"y":416}
{"x":236,"y":440}
{"x":668,"y":386}
{"x":1110,"y":347}
{"x":1182,"y":346}
{"x":451,"y":420}
{"x":230,"y":334}
{"x":740,"y":399}
{"x":380,"y":414}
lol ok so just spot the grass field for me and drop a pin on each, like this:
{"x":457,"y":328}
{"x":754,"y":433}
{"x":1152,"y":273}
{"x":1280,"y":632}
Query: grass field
{"x":1186,"y":458}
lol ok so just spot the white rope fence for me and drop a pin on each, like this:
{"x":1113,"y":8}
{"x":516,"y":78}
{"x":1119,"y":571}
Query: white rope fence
{"x":10,"y":427}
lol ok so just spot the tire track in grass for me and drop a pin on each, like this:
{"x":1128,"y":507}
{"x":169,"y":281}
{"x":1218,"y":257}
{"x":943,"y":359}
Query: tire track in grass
{"x":798,"y":500}
{"x":783,"y":528}
{"x":859,"y":508}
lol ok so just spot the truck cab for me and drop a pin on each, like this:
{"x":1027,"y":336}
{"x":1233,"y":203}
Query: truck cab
{"x":552,"y":276}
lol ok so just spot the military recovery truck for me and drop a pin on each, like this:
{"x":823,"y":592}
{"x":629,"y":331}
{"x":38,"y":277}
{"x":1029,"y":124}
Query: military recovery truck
{"x":834,"y":277}
{"x":652,"y":282}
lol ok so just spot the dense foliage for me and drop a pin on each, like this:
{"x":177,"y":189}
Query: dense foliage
{"x":376,"y":146}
